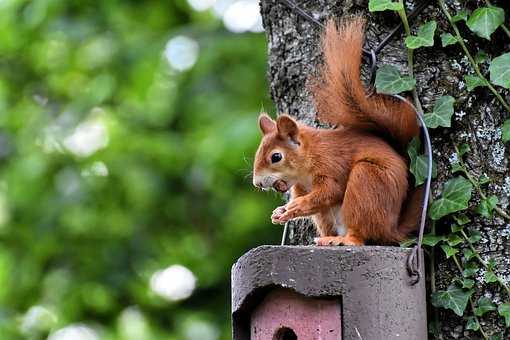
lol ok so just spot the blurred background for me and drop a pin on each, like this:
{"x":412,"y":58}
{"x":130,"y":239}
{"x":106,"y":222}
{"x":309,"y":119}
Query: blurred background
{"x":127,"y":132}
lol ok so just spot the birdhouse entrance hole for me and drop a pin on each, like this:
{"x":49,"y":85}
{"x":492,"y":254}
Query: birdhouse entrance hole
{"x":285,"y":333}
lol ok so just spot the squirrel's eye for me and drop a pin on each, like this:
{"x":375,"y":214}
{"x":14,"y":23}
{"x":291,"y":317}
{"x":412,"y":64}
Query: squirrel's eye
{"x":276,"y":157}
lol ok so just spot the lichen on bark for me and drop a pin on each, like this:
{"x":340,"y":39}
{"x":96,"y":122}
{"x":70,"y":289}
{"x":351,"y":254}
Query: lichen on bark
{"x":293,"y":55}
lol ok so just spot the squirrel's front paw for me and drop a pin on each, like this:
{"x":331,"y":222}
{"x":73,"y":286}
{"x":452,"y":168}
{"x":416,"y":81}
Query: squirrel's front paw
{"x":277,"y":214}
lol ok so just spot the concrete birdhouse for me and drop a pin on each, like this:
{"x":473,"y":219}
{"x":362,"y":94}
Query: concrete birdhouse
{"x":326,"y":293}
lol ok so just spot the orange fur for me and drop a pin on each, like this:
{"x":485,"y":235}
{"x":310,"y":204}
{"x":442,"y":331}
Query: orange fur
{"x":349,"y":179}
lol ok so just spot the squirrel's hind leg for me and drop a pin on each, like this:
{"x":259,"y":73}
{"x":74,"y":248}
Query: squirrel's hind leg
{"x":372,"y":201}
{"x":332,"y":230}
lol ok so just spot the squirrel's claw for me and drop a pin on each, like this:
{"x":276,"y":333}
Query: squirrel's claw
{"x":277,"y":215}
{"x":328,"y":241}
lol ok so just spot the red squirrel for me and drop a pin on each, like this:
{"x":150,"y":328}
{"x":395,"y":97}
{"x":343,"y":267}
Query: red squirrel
{"x":349,"y":179}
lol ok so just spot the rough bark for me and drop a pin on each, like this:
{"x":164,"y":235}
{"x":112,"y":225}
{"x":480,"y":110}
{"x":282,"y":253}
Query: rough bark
{"x":293,"y":55}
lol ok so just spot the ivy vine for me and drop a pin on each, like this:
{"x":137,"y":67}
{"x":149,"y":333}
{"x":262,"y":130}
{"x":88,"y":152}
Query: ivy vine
{"x":459,"y":245}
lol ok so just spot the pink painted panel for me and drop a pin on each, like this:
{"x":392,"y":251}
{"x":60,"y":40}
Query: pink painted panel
{"x":309,"y":318}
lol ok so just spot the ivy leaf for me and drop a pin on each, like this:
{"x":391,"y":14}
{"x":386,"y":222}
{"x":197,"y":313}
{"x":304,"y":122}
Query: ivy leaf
{"x":456,"y":167}
{"x":462,"y":219}
{"x":419,"y":163}
{"x":496,"y":337}
{"x":472,"y":324}
{"x":424,"y":37}
{"x":474,"y":236}
{"x":468,"y":283}
{"x":456,"y":195}
{"x":470,"y":269}
{"x":486,"y":206}
{"x":472,"y":82}
{"x":481,"y":56}
{"x":463,"y":149}
{"x":505,"y":130}
{"x":500,"y":70}
{"x":485,"y":20}
{"x":484,"y":179}
{"x":455,"y":227}
{"x":491,"y":263}
{"x":448,"y":39}
{"x":461,"y":15}
{"x":504,"y":311}
{"x":419,"y":169}
{"x":490,"y":277}
{"x":449,"y":251}
{"x":453,"y":298}
{"x":432,"y":240}
{"x":442,"y":113}
{"x":388,"y":80}
{"x":484,"y":305}
{"x":383,"y":5}
{"x":454,"y":240}
{"x":468,"y":254}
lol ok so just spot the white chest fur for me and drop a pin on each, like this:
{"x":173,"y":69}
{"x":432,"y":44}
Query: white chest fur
{"x":338,"y":224}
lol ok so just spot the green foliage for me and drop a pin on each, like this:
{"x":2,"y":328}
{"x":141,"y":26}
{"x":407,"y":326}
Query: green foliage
{"x":431,"y":240}
{"x":500,"y":70}
{"x":449,"y":251}
{"x":448,"y":39}
{"x":455,"y":197}
{"x":474,"y":236}
{"x":453,"y":298}
{"x":462,"y":15}
{"x":504,"y":311}
{"x":389,"y":80}
{"x":454,"y":240}
{"x":487,"y":205}
{"x":505,"y":131}
{"x":461,"y":219}
{"x":442,"y":113}
{"x":468,"y":283}
{"x":490,"y":277}
{"x":424,"y":37}
{"x":419,"y":163}
{"x":483,"y":306}
{"x":384,"y":5}
{"x":81,"y":233}
{"x":485,"y":20}
{"x":472,"y":324}
{"x":468,"y":253}
{"x":472,"y":82}
{"x":481,"y":56}
{"x":484,"y":179}
{"x":470,"y":269}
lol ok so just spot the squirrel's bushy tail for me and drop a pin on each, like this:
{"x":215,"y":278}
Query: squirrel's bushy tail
{"x":340,"y":96}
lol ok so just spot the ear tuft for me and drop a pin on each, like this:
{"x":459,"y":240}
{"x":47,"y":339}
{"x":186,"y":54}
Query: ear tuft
{"x":266,"y":124}
{"x":288,"y":128}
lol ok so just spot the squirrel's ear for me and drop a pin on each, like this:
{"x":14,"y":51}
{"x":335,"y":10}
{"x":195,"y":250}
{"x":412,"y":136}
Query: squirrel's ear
{"x":266,"y":124}
{"x":288,"y":128}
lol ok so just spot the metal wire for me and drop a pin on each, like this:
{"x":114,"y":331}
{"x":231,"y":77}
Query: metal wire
{"x":414,"y":258}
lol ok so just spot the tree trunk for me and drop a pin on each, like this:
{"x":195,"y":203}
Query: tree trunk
{"x":293,"y":46}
